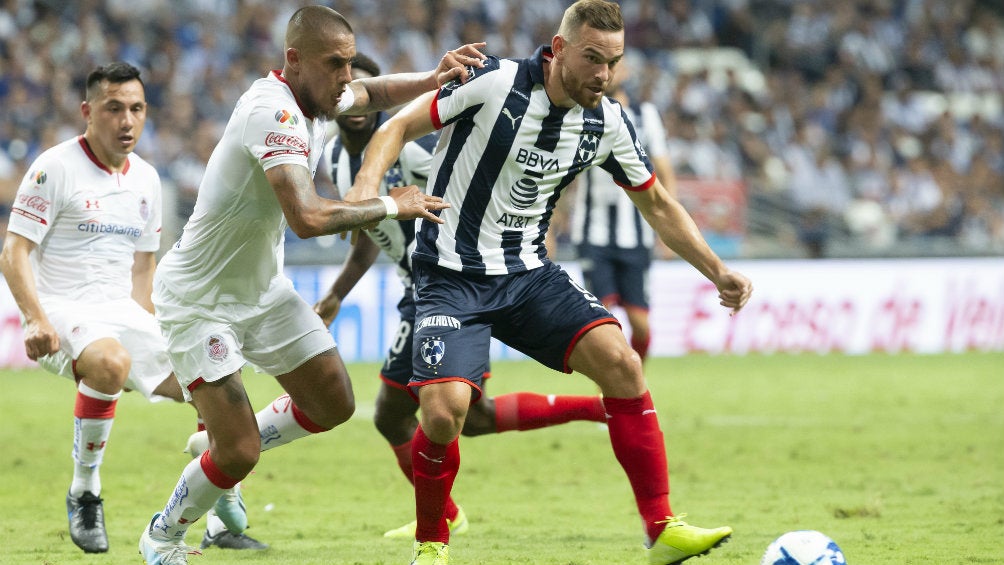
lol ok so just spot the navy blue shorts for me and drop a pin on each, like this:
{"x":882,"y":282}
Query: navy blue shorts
{"x":618,"y":276}
{"x":396,"y":371}
{"x":541,"y":312}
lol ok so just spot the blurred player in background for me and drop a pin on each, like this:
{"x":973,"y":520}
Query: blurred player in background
{"x":514,"y":136}
{"x":613,"y":240}
{"x":221,"y":296}
{"x":79,"y":258}
{"x":395,"y":406}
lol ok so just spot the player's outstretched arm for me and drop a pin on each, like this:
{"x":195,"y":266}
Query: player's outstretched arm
{"x":310,"y":215}
{"x":677,"y":229}
{"x":40,"y":338}
{"x":412,"y":122}
{"x":372,"y":94}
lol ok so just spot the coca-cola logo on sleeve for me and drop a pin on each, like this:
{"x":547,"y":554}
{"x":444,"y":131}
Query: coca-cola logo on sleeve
{"x":33,"y":202}
{"x":274,"y":139}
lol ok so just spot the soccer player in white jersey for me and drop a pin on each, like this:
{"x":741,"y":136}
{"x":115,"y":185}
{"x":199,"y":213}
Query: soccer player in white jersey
{"x":613,"y":240}
{"x":514,"y":135}
{"x":395,"y":408}
{"x":221,"y":297}
{"x":79,"y":260}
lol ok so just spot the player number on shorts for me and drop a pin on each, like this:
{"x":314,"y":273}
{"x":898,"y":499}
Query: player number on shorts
{"x":589,"y":296}
{"x":401,"y":338}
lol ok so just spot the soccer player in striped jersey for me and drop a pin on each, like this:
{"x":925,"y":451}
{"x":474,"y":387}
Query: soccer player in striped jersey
{"x":79,"y":259}
{"x":395,"y":405}
{"x":613,"y":240}
{"x":220,"y":294}
{"x":513,"y":137}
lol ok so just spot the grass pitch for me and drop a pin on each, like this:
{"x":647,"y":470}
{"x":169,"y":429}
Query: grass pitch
{"x":900,"y":459}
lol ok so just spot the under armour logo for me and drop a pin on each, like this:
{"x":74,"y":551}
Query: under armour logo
{"x":508,"y":114}
{"x":91,"y":446}
{"x":432,"y":459}
{"x":91,"y":204}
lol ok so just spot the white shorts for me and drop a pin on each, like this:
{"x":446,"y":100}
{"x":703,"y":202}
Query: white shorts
{"x":79,"y":325}
{"x":209,"y":342}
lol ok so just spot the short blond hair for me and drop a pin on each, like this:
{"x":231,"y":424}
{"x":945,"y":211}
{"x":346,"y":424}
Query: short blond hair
{"x":597,"y":14}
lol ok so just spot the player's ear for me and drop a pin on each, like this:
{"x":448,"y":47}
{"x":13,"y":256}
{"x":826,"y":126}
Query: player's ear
{"x":558,"y":46}
{"x":85,"y":110}
{"x":293,"y":58}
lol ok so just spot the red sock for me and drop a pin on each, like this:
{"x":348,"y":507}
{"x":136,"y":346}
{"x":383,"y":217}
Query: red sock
{"x":528,"y":411}
{"x":639,"y":447}
{"x":403,"y":454}
{"x":93,"y":408}
{"x":435,"y":468}
{"x":640,"y":345}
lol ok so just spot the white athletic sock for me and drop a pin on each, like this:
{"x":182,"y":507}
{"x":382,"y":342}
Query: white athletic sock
{"x":193,"y":496}
{"x":94,"y":414}
{"x":281,"y":422}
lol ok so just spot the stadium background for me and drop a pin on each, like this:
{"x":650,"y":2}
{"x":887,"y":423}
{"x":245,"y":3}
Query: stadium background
{"x":846,"y":155}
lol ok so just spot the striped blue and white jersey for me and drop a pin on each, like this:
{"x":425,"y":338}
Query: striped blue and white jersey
{"x":604,"y":215}
{"x":396,"y":238}
{"x":503,"y":159}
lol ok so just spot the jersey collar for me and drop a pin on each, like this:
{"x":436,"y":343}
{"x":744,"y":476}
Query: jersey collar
{"x":94,"y":158}
{"x":541,"y":56}
{"x":278,"y":75}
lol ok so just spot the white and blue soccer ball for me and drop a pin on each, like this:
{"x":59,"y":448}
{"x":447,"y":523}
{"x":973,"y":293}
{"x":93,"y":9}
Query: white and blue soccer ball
{"x":803,"y":547}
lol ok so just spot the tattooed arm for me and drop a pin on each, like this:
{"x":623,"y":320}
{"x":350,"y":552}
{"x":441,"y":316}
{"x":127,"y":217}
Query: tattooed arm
{"x":380,"y":93}
{"x":310,"y":215}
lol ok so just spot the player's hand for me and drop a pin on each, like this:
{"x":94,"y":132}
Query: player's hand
{"x":734,"y":290}
{"x":327,"y":308}
{"x":412,"y":203}
{"x":454,"y":64}
{"x":40,"y":339}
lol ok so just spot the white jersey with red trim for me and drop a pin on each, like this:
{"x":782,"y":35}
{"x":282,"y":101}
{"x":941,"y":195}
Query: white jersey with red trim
{"x":505,"y":156}
{"x":87,"y":221}
{"x":231,"y":249}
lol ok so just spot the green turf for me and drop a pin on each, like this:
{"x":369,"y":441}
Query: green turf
{"x":898,"y":458}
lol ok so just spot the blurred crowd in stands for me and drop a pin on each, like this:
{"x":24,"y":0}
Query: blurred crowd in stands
{"x":858,"y":126}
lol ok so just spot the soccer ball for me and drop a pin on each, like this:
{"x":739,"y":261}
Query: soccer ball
{"x":804,"y":547}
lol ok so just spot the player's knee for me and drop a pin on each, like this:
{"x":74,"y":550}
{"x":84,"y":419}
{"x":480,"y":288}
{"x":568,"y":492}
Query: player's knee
{"x":107,"y":371}
{"x":442,"y":426}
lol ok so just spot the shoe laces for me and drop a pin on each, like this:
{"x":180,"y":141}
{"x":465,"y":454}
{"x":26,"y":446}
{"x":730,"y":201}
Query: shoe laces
{"x":673,"y":521}
{"x":89,"y":505}
{"x":431,"y":548}
{"x":177,"y":554}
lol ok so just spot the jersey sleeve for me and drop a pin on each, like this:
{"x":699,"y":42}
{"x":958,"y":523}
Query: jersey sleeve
{"x":276,"y":134}
{"x":38,"y":200}
{"x":628,"y":162}
{"x":456,"y":100}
